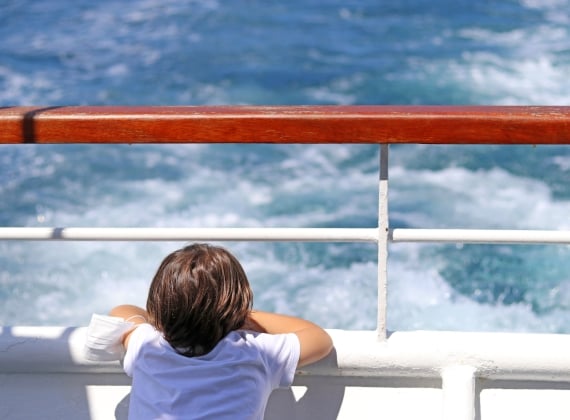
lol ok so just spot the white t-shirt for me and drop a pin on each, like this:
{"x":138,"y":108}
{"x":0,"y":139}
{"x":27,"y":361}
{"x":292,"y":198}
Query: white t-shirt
{"x":233,"y":381}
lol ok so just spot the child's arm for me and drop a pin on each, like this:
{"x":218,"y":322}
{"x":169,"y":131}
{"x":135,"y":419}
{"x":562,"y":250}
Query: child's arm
{"x":315,"y":342}
{"x":132,"y":314}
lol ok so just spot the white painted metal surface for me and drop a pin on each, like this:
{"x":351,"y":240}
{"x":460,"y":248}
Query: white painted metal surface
{"x":495,"y":236}
{"x":281,"y":234}
{"x":429,"y":374}
{"x":358,"y":354}
{"x":383,"y":230}
{"x":458,"y":385}
{"x":190,"y":234}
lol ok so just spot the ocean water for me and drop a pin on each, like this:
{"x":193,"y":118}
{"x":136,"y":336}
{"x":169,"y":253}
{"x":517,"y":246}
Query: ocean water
{"x":208,"y":52}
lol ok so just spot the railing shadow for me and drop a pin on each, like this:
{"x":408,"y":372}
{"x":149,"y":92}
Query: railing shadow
{"x":122,"y":409}
{"x":321,"y":400}
{"x":35,"y":387}
{"x":42,"y":376}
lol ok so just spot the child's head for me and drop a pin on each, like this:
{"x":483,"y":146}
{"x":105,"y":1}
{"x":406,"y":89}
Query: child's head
{"x":198,"y":295}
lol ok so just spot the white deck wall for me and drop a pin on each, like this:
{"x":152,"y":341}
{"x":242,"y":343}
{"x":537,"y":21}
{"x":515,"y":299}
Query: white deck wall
{"x":411,"y":375}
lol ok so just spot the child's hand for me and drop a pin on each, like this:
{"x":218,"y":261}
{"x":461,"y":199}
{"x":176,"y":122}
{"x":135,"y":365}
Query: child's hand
{"x":315,"y":342}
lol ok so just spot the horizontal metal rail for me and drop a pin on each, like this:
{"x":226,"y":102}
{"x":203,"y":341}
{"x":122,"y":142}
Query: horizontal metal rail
{"x":472,"y":236}
{"x":186,"y":234}
{"x":480,"y":236}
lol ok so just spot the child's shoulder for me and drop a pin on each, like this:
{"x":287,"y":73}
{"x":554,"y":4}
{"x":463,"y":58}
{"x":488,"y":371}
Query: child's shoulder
{"x":264,"y":342}
{"x":143,"y":333}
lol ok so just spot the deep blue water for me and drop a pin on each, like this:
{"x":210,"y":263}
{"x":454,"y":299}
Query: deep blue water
{"x":207,"y":52}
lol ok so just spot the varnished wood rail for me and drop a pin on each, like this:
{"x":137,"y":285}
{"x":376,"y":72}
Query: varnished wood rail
{"x":287,"y":124}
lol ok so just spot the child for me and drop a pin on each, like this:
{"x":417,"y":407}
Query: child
{"x":200,"y":351}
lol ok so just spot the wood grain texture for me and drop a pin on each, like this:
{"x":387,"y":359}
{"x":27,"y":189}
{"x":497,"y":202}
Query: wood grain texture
{"x":287,"y":124}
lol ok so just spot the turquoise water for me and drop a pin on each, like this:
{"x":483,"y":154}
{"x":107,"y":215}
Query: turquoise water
{"x":327,"y":52}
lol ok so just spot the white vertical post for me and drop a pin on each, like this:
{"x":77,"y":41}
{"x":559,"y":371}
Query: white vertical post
{"x":458,"y":386}
{"x":383,"y":230}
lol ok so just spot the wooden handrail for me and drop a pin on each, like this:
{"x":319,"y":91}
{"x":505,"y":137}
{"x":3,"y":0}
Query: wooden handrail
{"x":287,"y":124}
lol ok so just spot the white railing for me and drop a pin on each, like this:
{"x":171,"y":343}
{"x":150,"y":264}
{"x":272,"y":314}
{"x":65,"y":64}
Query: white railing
{"x":458,"y":359}
{"x":190,"y":234}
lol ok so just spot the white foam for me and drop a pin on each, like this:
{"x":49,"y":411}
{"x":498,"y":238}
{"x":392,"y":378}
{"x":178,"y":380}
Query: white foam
{"x":539,"y":80}
{"x":522,"y":66}
{"x":544,"y":4}
{"x":419,"y":298}
{"x":339,"y":91}
{"x":335,"y":297}
{"x":556,"y":11}
{"x":20,"y":89}
{"x":118,"y":70}
{"x":485,"y":199}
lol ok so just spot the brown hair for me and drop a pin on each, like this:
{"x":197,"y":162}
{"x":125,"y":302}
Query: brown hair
{"x":198,"y":295}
